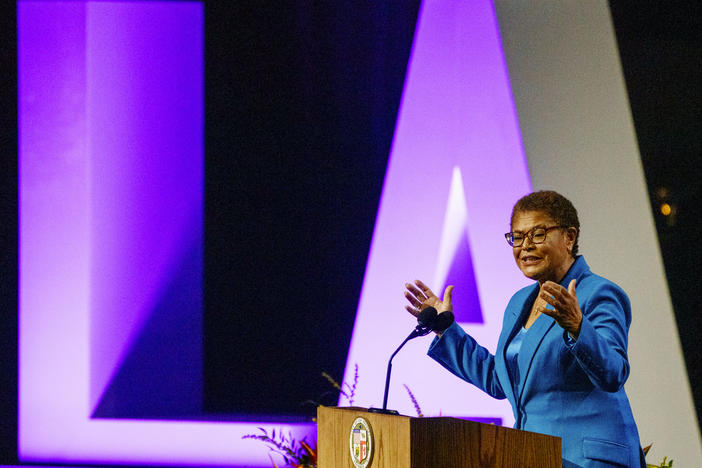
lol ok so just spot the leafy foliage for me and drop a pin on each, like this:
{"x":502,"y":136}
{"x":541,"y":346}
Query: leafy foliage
{"x":664,"y":464}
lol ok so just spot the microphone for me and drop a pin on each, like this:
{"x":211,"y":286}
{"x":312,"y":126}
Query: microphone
{"x":428,"y":320}
{"x":442,"y":322}
{"x":425,"y":320}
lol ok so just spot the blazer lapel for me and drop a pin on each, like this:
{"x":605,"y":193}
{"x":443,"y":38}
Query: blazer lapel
{"x":532,"y":342}
{"x":520,"y":315}
{"x":537,"y":332}
{"x":517,"y":316}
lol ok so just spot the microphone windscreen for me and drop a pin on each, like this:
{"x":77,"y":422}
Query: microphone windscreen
{"x":427,"y":317}
{"x":443,"y":321}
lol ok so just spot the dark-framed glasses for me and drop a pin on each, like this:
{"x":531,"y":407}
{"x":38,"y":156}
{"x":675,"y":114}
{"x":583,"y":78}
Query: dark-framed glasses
{"x":536,"y":235}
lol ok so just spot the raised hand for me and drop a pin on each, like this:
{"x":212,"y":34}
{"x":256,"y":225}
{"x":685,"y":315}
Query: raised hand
{"x":420,"y":297}
{"x":566,"y":310}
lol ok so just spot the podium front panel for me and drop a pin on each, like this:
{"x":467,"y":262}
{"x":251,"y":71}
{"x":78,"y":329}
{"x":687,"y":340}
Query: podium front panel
{"x":406,"y":442}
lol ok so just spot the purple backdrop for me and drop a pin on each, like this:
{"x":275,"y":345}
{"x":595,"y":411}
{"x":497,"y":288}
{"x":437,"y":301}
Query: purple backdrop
{"x":111,"y":187}
{"x":111,"y":99}
{"x":455,"y":169}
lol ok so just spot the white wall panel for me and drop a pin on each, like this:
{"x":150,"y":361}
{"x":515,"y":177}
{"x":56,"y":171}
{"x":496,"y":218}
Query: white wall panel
{"x":579,"y":140}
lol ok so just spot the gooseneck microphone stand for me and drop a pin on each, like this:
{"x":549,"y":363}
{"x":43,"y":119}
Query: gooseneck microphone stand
{"x":425,"y":320}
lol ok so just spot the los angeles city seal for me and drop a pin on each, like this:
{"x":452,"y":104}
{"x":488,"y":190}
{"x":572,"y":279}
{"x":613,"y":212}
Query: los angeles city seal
{"x":361,"y":443}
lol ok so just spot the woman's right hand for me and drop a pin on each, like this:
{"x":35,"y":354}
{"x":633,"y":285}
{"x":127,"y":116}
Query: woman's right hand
{"x":420,"y":297}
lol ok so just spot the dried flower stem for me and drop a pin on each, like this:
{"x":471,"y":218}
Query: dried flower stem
{"x":350,"y":391}
{"x":414,"y":402}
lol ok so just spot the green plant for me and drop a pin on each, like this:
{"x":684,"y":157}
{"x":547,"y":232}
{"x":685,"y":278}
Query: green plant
{"x":665,"y":463}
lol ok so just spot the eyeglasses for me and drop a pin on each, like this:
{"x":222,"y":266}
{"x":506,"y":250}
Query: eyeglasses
{"x":536,"y":235}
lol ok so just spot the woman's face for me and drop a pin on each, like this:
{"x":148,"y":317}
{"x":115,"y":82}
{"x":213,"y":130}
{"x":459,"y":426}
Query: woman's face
{"x":550,"y":260}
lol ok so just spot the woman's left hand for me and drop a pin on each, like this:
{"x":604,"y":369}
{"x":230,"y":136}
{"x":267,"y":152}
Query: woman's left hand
{"x":566,"y":310}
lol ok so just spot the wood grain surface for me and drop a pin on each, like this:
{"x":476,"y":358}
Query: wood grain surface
{"x":402,"y":441}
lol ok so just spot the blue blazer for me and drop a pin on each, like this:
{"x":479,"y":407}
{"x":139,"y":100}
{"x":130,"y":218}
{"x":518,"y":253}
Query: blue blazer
{"x":570,"y":389}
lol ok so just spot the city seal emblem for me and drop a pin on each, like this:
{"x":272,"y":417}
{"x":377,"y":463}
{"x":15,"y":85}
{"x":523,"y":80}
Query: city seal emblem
{"x":361,"y":443}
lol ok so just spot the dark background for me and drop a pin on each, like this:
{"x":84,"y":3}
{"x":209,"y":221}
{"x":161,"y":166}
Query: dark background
{"x":660,"y":46}
{"x":301,"y":104}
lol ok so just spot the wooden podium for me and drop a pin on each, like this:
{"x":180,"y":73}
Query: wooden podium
{"x":406,"y":442}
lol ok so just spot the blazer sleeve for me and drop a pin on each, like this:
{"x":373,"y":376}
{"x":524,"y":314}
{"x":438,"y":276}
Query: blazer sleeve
{"x":601,"y":347}
{"x":458,"y":352}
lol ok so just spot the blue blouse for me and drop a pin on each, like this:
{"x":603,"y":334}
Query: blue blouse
{"x":511,"y":355}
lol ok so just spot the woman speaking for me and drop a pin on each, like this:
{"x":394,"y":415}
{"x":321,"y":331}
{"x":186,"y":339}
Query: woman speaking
{"x":561,"y":358}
